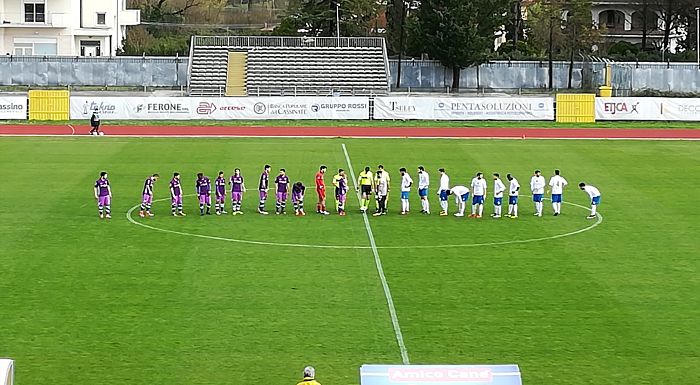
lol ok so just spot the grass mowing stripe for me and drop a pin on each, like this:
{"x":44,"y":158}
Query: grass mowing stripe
{"x":380,"y":269}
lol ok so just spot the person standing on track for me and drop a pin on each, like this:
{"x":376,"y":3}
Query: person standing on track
{"x":321,"y":191}
{"x":95,"y":123}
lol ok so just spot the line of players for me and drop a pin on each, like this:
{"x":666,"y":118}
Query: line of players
{"x":368,"y":183}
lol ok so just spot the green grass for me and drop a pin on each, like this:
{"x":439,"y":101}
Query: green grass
{"x":374,"y":123}
{"x":84,"y":301}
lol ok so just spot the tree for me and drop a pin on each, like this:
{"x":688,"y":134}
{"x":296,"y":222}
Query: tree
{"x":545,"y":31}
{"x":579,"y":31}
{"x":458,"y":33}
{"x":318,"y":18}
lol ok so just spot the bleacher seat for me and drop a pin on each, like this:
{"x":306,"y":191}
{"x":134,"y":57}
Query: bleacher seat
{"x":291,"y":65}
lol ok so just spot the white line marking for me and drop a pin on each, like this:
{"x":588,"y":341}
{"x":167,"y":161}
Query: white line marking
{"x":312,"y":246}
{"x":72,"y":130}
{"x":380,"y":269}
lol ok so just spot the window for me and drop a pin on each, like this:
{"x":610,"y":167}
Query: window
{"x":35,"y":12}
{"x":101,"y":18}
{"x":35,"y":46}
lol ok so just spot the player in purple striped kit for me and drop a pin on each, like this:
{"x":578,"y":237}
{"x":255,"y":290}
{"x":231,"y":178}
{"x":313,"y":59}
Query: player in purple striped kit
{"x":103,"y":194}
{"x":237,"y":190}
{"x":147,"y":200}
{"x":263,"y":187}
{"x":282,"y":184}
{"x":220,"y":189}
{"x":298,"y":190}
{"x":203,"y":189}
{"x":176,"y":195}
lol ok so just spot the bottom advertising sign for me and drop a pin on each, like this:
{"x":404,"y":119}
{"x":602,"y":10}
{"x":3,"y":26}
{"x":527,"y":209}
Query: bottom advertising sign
{"x":440,"y":374}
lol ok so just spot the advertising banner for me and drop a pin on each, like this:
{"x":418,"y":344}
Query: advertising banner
{"x":234,"y":108}
{"x":13,"y":107}
{"x":440,"y":375}
{"x":468,"y":108}
{"x":678,"y":109}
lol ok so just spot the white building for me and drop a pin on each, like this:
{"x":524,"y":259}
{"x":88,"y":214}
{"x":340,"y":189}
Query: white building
{"x":64,"y":27}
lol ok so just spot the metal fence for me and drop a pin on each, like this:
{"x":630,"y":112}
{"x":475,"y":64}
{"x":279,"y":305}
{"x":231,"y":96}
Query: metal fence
{"x":426,"y":75}
{"x":118,"y":71}
{"x":282,"y":41}
{"x":533,"y":75}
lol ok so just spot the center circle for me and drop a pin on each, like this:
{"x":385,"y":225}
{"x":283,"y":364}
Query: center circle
{"x":129,"y":217}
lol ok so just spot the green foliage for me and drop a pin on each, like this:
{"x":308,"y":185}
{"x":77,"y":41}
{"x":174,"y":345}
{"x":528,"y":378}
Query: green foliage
{"x":458,"y":33}
{"x":318,"y":18}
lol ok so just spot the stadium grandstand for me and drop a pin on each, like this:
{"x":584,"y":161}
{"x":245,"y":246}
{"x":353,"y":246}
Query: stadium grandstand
{"x":287,"y":66}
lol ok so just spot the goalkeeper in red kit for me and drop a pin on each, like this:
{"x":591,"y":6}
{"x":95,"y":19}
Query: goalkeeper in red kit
{"x":321,"y":191}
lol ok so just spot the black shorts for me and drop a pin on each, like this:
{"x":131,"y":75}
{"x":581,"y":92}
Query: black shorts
{"x":366,"y":189}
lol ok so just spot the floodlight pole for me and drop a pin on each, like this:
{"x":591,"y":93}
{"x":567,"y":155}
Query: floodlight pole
{"x":337,"y":21}
{"x":697,"y":34}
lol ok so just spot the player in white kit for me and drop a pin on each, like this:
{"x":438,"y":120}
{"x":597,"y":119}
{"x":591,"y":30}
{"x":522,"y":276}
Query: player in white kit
{"x":406,"y":183}
{"x":423,"y":185}
{"x":557,"y":183}
{"x":478,"y":193}
{"x":461,"y":194}
{"x":594,"y":194}
{"x":498,"y":189}
{"x":537,"y":184}
{"x":443,"y":191}
{"x":513,"y":193}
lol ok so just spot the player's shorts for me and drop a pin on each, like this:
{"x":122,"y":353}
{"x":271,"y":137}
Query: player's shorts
{"x":263,"y":195}
{"x":236,"y":196}
{"x":340,"y":197}
{"x":321,"y":194}
{"x":556,"y":198}
{"x":205,"y":199}
{"x":147,"y":199}
{"x":220,"y":198}
{"x":176,"y":199}
{"x":478,"y":200}
{"x":595,"y":200}
{"x":404,"y":194}
{"x":366,"y":189}
{"x":464,"y":197}
{"x":443,"y":195}
{"x":537,"y":197}
{"x":497,"y":201}
{"x":297,"y":198}
{"x":513,"y":200}
{"x":104,"y":200}
{"x":281,"y":196}
{"x":422,"y":192}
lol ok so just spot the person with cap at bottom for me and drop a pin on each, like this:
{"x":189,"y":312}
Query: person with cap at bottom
{"x":309,"y":377}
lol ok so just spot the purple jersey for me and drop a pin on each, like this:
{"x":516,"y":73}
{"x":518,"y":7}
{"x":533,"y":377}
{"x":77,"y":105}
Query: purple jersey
{"x":203,"y":185}
{"x":175,"y":187}
{"x":236,"y":183}
{"x":342,"y":187}
{"x":282,"y":182}
{"x":148,"y":186}
{"x":298,"y":190}
{"x":264,"y":181}
{"x":102,"y":186}
{"x":220,"y":184}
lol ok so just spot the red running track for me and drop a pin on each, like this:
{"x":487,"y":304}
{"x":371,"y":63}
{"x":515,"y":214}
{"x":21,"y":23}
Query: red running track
{"x":360,"y":132}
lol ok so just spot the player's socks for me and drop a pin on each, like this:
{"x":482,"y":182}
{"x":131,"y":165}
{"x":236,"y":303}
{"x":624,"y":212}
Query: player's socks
{"x":284,"y":206}
{"x":108,"y":210}
{"x":480,"y":209}
{"x":208,"y":209}
{"x":594,"y":209}
{"x":515,"y":210}
{"x":173,"y":208}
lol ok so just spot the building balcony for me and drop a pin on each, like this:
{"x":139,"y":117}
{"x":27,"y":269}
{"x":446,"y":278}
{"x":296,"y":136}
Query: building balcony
{"x":39,"y":20}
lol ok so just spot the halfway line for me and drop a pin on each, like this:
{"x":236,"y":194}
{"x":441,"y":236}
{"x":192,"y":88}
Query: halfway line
{"x":380,"y":269}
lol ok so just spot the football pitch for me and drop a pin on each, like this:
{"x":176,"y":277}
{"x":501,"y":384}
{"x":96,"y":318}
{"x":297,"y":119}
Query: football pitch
{"x":253,"y":299}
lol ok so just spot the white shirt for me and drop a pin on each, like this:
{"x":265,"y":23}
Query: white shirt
{"x":498,"y":188}
{"x":479,"y":186}
{"x":444,"y":182}
{"x":406,"y":182}
{"x":423,"y":180}
{"x":514,"y":188}
{"x":557,"y":183}
{"x":460,"y":190}
{"x":537,"y":184}
{"x":386,"y":177}
{"x":382,"y":187}
{"x":592,"y":191}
